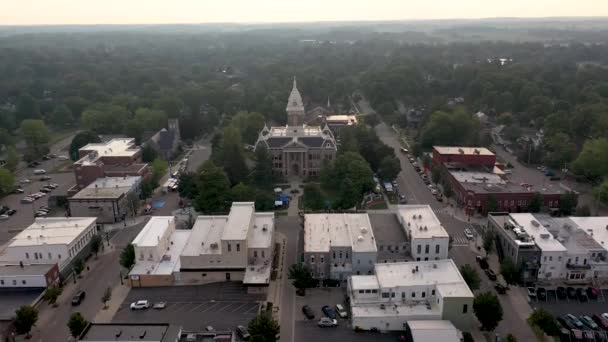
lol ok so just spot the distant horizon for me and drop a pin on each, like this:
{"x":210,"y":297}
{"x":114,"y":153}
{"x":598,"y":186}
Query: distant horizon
{"x":196,"y":12}
{"x":577,"y":18}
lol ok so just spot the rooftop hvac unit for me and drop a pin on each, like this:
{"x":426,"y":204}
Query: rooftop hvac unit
{"x":363,"y":230}
{"x":535,"y":223}
{"x":214,"y":245}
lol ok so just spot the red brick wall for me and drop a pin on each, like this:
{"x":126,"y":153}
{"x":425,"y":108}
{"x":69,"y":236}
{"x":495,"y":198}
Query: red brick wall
{"x":468,"y":159}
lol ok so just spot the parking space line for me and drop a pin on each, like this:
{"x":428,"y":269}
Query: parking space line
{"x":211,"y":306}
{"x":238,"y":307}
{"x":253,"y":307}
{"x":225,"y":307}
{"x":196,"y":307}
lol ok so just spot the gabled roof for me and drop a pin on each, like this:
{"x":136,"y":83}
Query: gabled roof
{"x":312,"y":141}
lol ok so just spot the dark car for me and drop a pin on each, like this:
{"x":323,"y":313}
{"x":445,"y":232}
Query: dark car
{"x":541,"y":293}
{"x":78,"y":298}
{"x":491,"y":275}
{"x":565,"y":322}
{"x":592,"y":292}
{"x":11,"y":212}
{"x":561,"y":293}
{"x":3,"y":209}
{"x":331,"y":283}
{"x":45,"y":178}
{"x":483,"y":262}
{"x":571,"y":292}
{"x":308,"y":312}
{"x":580,"y":295}
{"x":501,"y":289}
{"x":243,"y":333}
{"x":601,"y":321}
{"x":329,"y":312}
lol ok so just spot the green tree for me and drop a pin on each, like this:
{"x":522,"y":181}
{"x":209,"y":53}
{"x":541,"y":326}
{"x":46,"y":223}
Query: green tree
{"x":593,"y":159}
{"x":447,"y":190}
{"x":52,"y":293}
{"x":78,"y":267}
{"x":25,"y":318}
{"x":148,"y":153}
{"x":7,"y":181}
{"x":560,"y":150}
{"x":263,"y":328}
{"x":61,"y":116}
{"x":216,"y":186}
{"x":389,"y":168}
{"x":348,"y":195}
{"x":249,"y":124}
{"x":450,"y":129}
{"x":151,"y":119}
{"x":242,"y":193}
{"x":95,"y":244}
{"x":77,"y":324}
{"x":545,"y":321}
{"x":105,"y":118}
{"x":187,"y":186}
{"x":509,"y":271}
{"x":264,"y":200}
{"x":262,"y":174}
{"x":470,"y":275}
{"x":81,"y":139}
{"x":435,"y":174}
{"x":511,"y":338}
{"x":27,"y":107}
{"x":488,"y":241}
{"x":492,"y":205}
{"x":583,"y":211}
{"x":568,"y":203}
{"x":536,"y":203}
{"x":12,"y":159}
{"x":36,"y":136}
{"x":127,"y":257}
{"x":159,"y":169}
{"x":135,"y":129}
{"x":467,"y":337}
{"x":233,"y":159}
{"x":488,"y":310}
{"x":301,"y":276}
{"x":313,"y":198}
{"x":107,"y":295}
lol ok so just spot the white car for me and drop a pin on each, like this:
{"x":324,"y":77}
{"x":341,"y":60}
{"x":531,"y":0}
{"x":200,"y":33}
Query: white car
{"x":469,"y":234}
{"x":341,"y":311}
{"x":25,"y":181}
{"x":327,"y":322}
{"x":159,"y":305}
{"x":434,"y":192}
{"x":62,"y":158}
{"x":140,"y":305}
{"x":4,"y":217}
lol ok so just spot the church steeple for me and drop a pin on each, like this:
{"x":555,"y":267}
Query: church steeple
{"x":295,"y":106}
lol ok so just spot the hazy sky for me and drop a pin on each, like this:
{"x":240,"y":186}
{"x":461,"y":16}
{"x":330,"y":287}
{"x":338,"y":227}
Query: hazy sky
{"x":25,"y":12}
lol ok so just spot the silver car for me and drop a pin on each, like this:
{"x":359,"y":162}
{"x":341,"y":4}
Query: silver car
{"x":326,"y":322}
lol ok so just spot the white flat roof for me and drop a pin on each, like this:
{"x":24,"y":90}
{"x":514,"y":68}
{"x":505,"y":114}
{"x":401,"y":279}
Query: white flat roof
{"x":597,"y":224}
{"x":420,"y":222}
{"x":363,"y":282}
{"x":152,"y":231}
{"x":477,"y":177}
{"x":434,"y":331}
{"x":206,"y":237}
{"x":239,"y":220}
{"x":114,"y":147}
{"x":52,"y":231}
{"x":170,"y":262}
{"x":408,"y":310}
{"x":437,"y":272}
{"x":322,"y":231}
{"x":542,"y":237}
{"x":108,"y":187}
{"x":463,"y":150}
{"x":258,"y":273}
{"x":260,"y":235}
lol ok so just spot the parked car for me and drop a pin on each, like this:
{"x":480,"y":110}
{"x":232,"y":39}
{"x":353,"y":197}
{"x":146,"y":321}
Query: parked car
{"x":308,"y":312}
{"x":11,"y":212}
{"x":45,"y":178}
{"x":63,"y":158}
{"x":78,"y":298}
{"x":243,"y":333}
{"x":592,"y":292}
{"x":329,"y":312}
{"x":140,"y":305}
{"x":402,"y":199}
{"x":18,"y":191}
{"x":571,"y":292}
{"x":565,"y":322}
{"x":404,"y":150}
{"x":3,"y":209}
{"x":561,"y":292}
{"x":589,"y":322}
{"x":27,"y":200}
{"x":46,"y":190}
{"x":341,"y":311}
{"x":468,"y":234}
{"x":39,"y":172}
{"x":159,"y":305}
{"x":40,"y":214}
{"x":25,"y":181}
{"x":483,"y":262}
{"x":580,"y":295}
{"x":500,"y":288}
{"x":327,"y":322}
{"x":531,"y":292}
{"x":491,"y":275}
{"x":4,"y":217}
{"x":601,"y":321}
{"x":541,"y":293}
{"x":209,"y":328}
{"x":577,"y":322}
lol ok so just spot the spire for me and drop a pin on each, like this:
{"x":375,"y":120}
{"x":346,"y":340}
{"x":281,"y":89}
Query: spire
{"x":328,"y":103}
{"x":294,"y":82}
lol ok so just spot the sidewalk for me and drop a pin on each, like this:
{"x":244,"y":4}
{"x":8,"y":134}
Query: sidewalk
{"x":276,"y":286}
{"x":119,"y":293}
{"x":109,"y":227}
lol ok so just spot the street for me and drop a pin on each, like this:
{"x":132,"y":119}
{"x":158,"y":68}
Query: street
{"x":514,"y":305}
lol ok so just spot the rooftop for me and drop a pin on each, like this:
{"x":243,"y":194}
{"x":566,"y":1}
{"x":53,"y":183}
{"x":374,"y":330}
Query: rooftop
{"x":206,"y":236}
{"x":386,"y":228}
{"x":486,"y":182}
{"x":153,"y":230}
{"x":52,"y":231}
{"x":25,"y":270}
{"x":420,"y":221}
{"x":463,"y":150}
{"x":434,"y":331}
{"x":595,"y":226}
{"x":108,"y":187}
{"x":569,"y":234}
{"x":99,"y":332}
{"x":170,"y":261}
{"x":239,"y":220}
{"x":526,"y":225}
{"x":416,"y":310}
{"x":295,"y":131}
{"x":341,"y":119}
{"x":322,"y":231}
{"x":263,"y":229}
{"x":117,"y":147}
{"x":477,"y":177}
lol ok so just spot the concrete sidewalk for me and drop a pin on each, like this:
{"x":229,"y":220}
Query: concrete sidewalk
{"x":119,"y":293}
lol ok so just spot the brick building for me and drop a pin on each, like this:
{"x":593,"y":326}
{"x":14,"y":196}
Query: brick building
{"x":115,"y":158}
{"x":476,"y":181}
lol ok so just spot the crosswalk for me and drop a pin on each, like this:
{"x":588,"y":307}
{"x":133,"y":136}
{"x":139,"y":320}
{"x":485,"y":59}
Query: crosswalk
{"x":460,"y":240}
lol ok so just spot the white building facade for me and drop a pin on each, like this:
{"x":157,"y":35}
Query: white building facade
{"x":428,"y":239}
{"x":405,"y":291}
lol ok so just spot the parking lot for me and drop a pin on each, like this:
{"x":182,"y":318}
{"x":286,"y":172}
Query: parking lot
{"x":220,"y":305}
{"x":564,"y":306}
{"x":308,"y":330}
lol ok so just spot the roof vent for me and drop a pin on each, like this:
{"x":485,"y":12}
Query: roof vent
{"x":419,"y":216}
{"x":29,"y":237}
{"x":434,"y":265}
{"x":535,"y":223}
{"x":359,"y":238}
{"x":118,"y":333}
{"x":414,"y":217}
{"x":265,"y":228}
{"x":214,"y":245}
{"x":363,"y":230}
{"x":142,"y":335}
